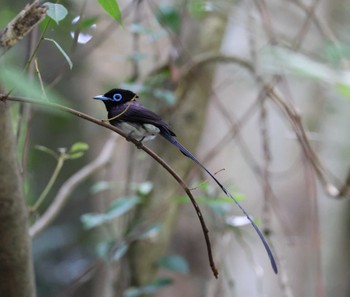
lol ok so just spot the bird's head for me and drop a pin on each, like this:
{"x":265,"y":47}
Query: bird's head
{"x":117,"y":96}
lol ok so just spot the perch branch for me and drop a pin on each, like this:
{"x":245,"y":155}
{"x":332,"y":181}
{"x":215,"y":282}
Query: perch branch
{"x":138,"y":145}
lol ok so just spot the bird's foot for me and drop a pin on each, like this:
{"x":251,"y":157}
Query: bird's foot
{"x":139,"y":143}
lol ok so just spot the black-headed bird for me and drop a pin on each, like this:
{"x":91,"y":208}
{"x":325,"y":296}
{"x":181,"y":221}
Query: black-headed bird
{"x":143,"y":124}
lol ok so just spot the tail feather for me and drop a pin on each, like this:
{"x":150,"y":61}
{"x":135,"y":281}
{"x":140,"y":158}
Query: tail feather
{"x":174,"y":141}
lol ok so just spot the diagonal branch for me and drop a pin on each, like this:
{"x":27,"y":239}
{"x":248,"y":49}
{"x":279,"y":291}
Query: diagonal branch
{"x":139,"y":145}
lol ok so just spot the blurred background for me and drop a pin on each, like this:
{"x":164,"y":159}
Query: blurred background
{"x":258,"y":90}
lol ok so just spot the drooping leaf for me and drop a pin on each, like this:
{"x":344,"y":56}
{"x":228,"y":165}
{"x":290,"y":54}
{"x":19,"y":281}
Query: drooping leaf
{"x":200,"y":8}
{"x":138,"y":28}
{"x":119,"y":251}
{"x":151,"y":232}
{"x":103,"y":248}
{"x":144,"y":188}
{"x":174,"y":263}
{"x":169,"y":16}
{"x":56,"y":11}
{"x":88,"y":23}
{"x":111,"y":250}
{"x":69,"y":61}
{"x":14,"y":79}
{"x":76,"y":155}
{"x":101,"y":186}
{"x":112,"y":8}
{"x":148,"y":289}
{"x":78,"y":147}
{"x":123,"y":205}
{"x":343,"y":89}
{"x":117,"y":208}
{"x":166,"y":95}
{"x":77,"y":150}
{"x":277,"y":60}
{"x":337,"y":53}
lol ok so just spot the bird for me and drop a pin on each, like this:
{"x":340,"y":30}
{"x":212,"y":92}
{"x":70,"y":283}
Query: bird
{"x":142,"y":124}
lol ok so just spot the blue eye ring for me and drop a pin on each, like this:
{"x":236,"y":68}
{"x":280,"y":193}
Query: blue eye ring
{"x":117,"y":97}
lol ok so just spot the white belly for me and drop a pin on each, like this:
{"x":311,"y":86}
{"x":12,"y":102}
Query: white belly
{"x":139,"y":132}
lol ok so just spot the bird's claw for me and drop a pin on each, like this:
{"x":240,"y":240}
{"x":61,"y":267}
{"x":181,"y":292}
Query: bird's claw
{"x":138,"y":143}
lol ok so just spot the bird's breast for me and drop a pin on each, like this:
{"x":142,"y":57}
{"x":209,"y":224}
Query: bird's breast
{"x":140,"y":132}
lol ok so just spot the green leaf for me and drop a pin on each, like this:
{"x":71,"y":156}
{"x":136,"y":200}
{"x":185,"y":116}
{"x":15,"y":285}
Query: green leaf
{"x":112,"y":8}
{"x":278,"y":60}
{"x":137,"y":56}
{"x":111,"y":250}
{"x":168,"y":16}
{"x":343,"y":89}
{"x":148,"y":289}
{"x":101,"y":186}
{"x":119,"y":251}
{"x":174,"y":263}
{"x":150,"y":232}
{"x":138,"y":28}
{"x":117,"y":208}
{"x":75,"y":155}
{"x":123,"y":205}
{"x":77,"y":150}
{"x":168,"y":96}
{"x":200,"y":8}
{"x":87,"y":23}
{"x":337,"y":53}
{"x":13,"y":78}
{"x":103,"y":248}
{"x":57,"y":12}
{"x":69,"y":61}
{"x":78,"y":147}
{"x":144,"y":188}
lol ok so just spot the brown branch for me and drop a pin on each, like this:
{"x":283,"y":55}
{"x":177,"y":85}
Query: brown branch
{"x":139,"y":146}
{"x":22,"y":24}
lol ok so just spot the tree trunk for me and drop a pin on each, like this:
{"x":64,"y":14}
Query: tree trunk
{"x":16,"y":270}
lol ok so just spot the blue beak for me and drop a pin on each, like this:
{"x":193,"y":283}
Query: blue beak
{"x":101,"y":97}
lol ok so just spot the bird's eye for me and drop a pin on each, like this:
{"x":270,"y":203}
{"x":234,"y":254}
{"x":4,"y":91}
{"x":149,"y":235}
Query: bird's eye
{"x":117,"y":97}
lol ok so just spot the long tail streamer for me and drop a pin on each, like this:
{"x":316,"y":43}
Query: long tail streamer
{"x":174,"y":141}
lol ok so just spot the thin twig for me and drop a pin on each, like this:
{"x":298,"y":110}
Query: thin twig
{"x":69,"y":185}
{"x":51,"y":182}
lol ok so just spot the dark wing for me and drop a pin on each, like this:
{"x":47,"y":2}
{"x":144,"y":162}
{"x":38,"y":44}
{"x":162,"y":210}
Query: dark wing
{"x":137,"y":113}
